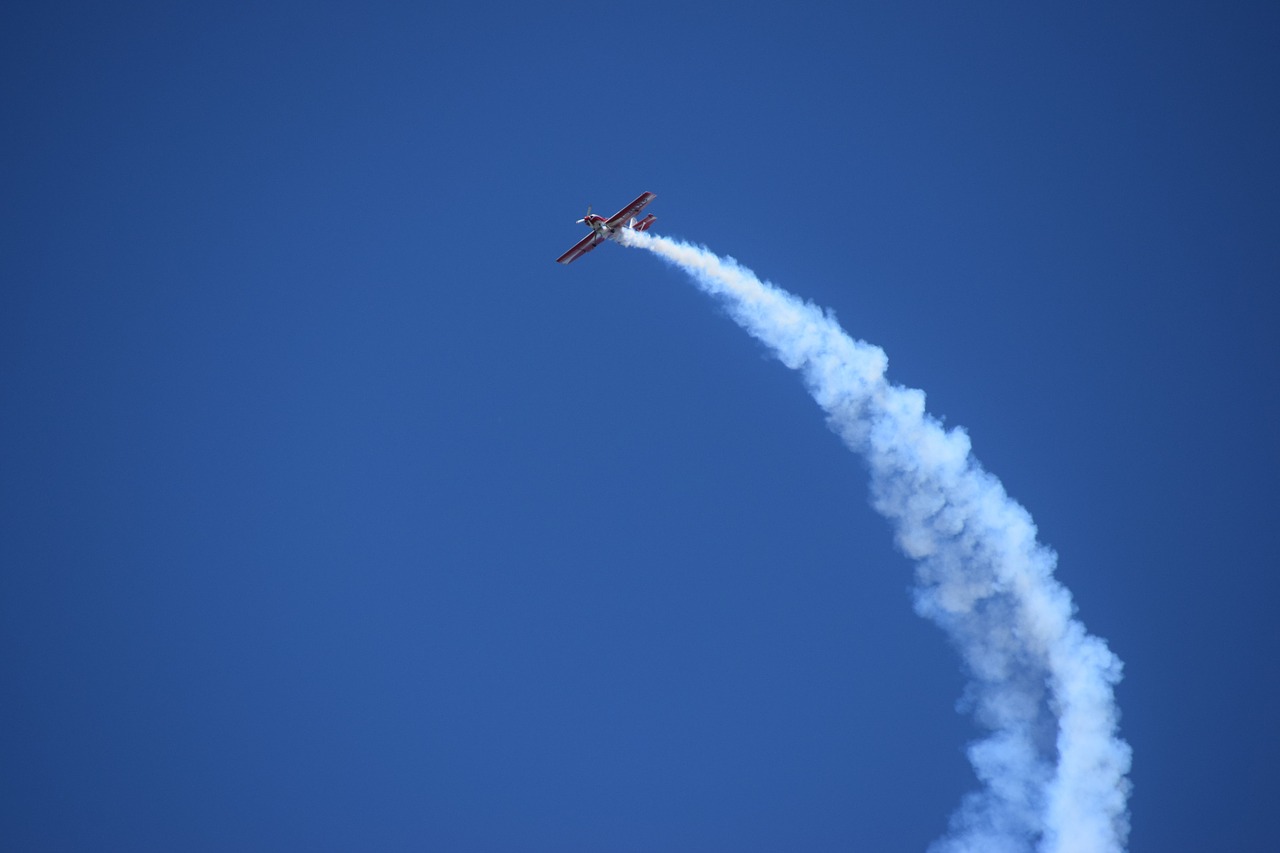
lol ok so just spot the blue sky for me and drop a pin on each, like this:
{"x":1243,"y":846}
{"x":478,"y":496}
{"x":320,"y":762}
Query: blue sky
{"x":337,"y":516}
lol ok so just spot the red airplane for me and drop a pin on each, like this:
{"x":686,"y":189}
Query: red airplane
{"x":608,"y":229}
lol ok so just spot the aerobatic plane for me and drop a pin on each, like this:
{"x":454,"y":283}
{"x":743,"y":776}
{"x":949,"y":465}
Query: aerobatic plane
{"x":609,"y":229}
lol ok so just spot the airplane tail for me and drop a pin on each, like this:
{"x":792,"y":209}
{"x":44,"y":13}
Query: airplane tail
{"x":644,"y":224}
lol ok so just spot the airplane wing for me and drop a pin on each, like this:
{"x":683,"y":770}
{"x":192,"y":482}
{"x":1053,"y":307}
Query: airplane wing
{"x":629,"y":211}
{"x":586,"y":244}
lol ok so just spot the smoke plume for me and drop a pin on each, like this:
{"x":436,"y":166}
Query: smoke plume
{"x":1052,"y":767}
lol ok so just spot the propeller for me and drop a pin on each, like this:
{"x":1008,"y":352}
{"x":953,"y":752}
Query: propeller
{"x":584,"y":219}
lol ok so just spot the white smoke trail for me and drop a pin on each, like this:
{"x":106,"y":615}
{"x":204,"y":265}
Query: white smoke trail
{"x":1052,"y":766}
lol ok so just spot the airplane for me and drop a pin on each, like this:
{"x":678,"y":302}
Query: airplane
{"x":609,"y":229}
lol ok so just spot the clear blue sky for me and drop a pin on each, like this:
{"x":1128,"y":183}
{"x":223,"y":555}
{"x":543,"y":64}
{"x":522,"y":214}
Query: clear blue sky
{"x":336,"y":516}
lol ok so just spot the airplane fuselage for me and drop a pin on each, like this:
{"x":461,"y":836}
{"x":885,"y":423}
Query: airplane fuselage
{"x":598,"y":224}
